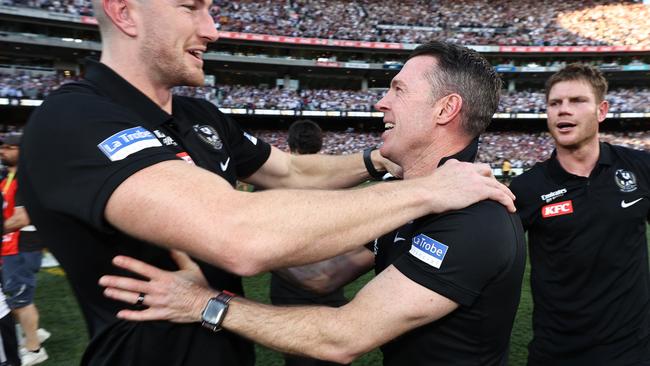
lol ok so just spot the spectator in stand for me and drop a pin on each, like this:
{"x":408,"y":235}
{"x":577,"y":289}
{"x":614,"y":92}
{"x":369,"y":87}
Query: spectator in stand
{"x":476,"y":22}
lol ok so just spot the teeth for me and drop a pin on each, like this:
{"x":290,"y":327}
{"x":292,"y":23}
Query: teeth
{"x":389,"y":125}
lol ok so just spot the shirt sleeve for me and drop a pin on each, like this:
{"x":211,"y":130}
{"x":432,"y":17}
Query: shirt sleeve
{"x":249,"y":151}
{"x":457,"y":254}
{"x":79,"y":148}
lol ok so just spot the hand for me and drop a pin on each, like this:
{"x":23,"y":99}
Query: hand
{"x":457,"y":185}
{"x":383,"y":164}
{"x":175,"y":296}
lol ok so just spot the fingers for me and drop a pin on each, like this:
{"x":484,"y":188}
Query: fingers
{"x":141,"y":315}
{"x":126,"y":284}
{"x":502,"y":194}
{"x":126,"y":296}
{"x":182,"y":260}
{"x":137,"y":266}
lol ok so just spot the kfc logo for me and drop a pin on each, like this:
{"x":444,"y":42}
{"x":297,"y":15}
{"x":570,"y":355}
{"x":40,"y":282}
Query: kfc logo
{"x":557,"y":209}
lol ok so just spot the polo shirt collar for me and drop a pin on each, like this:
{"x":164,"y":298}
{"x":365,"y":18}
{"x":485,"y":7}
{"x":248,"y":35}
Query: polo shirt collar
{"x":560,"y":175}
{"x":124,"y":93}
{"x":468,"y":154}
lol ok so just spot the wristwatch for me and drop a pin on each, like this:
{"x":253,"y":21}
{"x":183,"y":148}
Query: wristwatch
{"x":370,"y":167}
{"x":215,"y":311}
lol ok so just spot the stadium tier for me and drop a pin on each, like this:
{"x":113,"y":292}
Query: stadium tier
{"x":25,"y":86}
{"x":469,"y":22}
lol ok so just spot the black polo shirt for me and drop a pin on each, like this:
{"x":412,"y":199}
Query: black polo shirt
{"x":589,"y":259}
{"x":474,"y":257}
{"x":81,"y":144}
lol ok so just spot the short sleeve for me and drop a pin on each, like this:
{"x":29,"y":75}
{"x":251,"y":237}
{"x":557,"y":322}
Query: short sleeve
{"x":249,"y":151}
{"x":457,"y":254}
{"x":78,"y":148}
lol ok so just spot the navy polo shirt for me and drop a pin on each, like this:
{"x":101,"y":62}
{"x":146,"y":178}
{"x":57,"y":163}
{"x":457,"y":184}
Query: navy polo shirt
{"x":589,"y":259}
{"x":78,"y":147}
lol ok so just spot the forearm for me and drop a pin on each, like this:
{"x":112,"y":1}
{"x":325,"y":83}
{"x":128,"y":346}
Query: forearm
{"x":326,"y":276}
{"x":313,"y":331}
{"x":17,"y":221}
{"x":315,"y":171}
{"x":298,"y":227}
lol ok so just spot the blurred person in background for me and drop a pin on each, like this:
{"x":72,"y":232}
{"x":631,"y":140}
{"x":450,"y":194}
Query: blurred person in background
{"x":305,"y":137}
{"x":21,"y":258}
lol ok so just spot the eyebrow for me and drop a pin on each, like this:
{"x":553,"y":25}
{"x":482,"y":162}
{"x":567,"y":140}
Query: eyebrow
{"x":397,"y":82}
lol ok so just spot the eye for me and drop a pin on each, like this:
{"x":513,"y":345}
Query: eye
{"x":190,"y":7}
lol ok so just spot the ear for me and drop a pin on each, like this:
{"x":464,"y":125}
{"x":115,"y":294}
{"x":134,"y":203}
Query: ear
{"x":120,"y":12}
{"x":603,"y":108}
{"x":449,"y":108}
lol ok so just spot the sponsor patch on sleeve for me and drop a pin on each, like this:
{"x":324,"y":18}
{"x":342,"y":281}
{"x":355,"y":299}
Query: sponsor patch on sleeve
{"x":186,"y":157}
{"x":252,"y":138}
{"x":428,"y":250}
{"x":127,"y":142}
{"x":557,"y":209}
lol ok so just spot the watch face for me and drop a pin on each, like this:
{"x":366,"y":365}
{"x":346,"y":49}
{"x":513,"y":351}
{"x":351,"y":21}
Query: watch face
{"x":214,"y":311}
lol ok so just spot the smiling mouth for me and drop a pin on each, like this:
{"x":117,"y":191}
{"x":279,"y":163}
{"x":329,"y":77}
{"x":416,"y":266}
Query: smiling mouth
{"x":388,"y":126}
{"x":196,"y":54}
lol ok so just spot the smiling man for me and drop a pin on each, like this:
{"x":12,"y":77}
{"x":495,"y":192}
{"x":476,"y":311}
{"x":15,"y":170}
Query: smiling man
{"x":447,"y":285}
{"x":585,"y":210}
{"x":115,"y":164}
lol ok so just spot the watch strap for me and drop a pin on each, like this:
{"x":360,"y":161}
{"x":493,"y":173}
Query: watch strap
{"x":370,"y":167}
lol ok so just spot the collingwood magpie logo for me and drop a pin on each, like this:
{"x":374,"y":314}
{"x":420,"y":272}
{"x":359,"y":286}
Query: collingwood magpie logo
{"x":209,"y":135}
{"x":625,"y":180}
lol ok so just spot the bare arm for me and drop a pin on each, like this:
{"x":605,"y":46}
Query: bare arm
{"x":247,"y":233}
{"x":326,"y":276}
{"x":17,"y":221}
{"x":283,"y":170}
{"x":342,"y":334}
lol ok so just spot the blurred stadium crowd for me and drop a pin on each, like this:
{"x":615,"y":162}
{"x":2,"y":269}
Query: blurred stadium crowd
{"x":522,"y":149}
{"x":502,"y":22}
{"x":28,"y":86}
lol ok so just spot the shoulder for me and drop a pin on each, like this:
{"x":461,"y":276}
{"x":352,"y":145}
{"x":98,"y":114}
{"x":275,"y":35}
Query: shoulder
{"x":76,"y":105}
{"x":485,"y":221}
{"x":631,"y":154}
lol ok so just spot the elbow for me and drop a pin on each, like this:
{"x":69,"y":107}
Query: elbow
{"x":342,"y":355}
{"x":242,"y":260}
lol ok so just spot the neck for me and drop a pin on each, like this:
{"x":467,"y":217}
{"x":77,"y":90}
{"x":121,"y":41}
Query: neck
{"x":579,"y":161}
{"x":138,"y":75}
{"x":427,"y":160}
{"x":11,"y":169}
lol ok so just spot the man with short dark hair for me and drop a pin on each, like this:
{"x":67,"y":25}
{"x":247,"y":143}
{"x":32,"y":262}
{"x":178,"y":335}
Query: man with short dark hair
{"x":115,"y":164}
{"x":447,"y":285}
{"x":305,"y":137}
{"x":586,"y":209}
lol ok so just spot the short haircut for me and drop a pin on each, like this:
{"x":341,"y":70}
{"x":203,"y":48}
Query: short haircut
{"x":305,"y":137}
{"x":577,"y":71}
{"x":465,"y":72}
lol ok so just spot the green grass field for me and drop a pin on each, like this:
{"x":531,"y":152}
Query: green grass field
{"x":60,"y":315}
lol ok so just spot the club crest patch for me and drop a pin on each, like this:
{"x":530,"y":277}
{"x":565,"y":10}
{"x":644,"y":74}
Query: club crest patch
{"x":429,"y":251}
{"x":209,"y":135}
{"x":127,"y":142}
{"x":625,"y":180}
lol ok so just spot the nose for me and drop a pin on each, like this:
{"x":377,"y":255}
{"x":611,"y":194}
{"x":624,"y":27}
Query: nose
{"x":381,"y":105}
{"x":563,"y":109}
{"x":207,"y":28}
